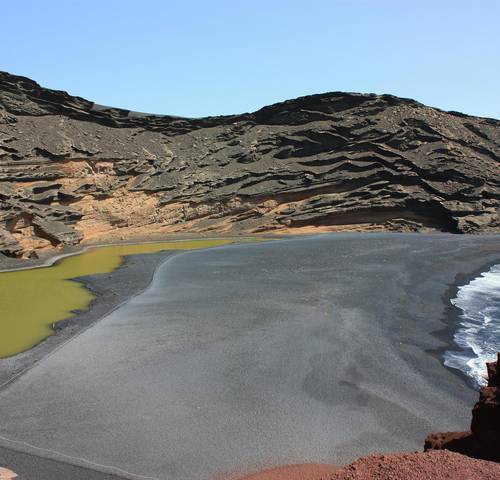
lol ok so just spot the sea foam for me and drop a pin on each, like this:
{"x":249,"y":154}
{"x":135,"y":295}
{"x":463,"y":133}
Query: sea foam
{"x":478,"y":335}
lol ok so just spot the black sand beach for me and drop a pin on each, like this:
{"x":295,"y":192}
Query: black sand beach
{"x":317,"y":349}
{"x":111,"y":290}
{"x":34,"y":467}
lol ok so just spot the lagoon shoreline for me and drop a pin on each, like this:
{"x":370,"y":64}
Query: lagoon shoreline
{"x":110,"y":289}
{"x":418,"y":273}
{"x":135,"y":274}
{"x":49,"y":257}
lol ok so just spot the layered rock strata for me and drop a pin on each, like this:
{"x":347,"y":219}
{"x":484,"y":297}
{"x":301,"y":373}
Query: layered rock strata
{"x":73,"y":171}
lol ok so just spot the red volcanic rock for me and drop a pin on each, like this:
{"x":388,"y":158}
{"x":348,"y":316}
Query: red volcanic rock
{"x":461,"y":442}
{"x":483,"y":440}
{"x":305,"y":471}
{"x":435,"y":465}
{"x":493,"y":373}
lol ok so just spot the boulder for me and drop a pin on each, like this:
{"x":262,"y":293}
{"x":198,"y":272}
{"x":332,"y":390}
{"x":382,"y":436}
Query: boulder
{"x":483,"y":439}
{"x":9,"y":246}
{"x":56,"y":232}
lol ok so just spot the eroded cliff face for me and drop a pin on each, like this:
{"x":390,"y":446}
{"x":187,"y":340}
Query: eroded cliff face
{"x":71,"y":171}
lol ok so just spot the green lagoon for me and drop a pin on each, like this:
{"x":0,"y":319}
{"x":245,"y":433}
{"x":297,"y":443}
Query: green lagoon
{"x":33,"y":300}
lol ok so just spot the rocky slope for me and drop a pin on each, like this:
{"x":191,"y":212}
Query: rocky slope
{"x":483,"y":439}
{"x":73,"y":171}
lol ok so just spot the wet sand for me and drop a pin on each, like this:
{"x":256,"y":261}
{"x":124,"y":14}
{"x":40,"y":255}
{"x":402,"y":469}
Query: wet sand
{"x":252,"y":356}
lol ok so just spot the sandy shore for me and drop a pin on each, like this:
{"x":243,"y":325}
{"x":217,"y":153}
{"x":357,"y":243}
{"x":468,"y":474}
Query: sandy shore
{"x":452,"y":316}
{"x":111,"y":290}
{"x":246,"y":357}
{"x":49,"y":256}
{"x":35,"y":467}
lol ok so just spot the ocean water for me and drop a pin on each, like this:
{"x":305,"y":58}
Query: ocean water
{"x":478,"y":334}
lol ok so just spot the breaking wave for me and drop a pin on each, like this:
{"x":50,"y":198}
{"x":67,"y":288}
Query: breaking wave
{"x":478,"y":335}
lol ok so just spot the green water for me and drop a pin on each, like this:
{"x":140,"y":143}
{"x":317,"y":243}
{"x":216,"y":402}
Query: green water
{"x":31,"y":301}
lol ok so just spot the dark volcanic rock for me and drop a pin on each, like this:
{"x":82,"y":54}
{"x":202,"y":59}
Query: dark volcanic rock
{"x":332,"y":161}
{"x":483,"y":440}
{"x":9,"y":245}
{"x":57,"y":232}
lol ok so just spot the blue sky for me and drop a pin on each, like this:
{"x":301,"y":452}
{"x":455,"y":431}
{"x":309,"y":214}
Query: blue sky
{"x":197,"y":58}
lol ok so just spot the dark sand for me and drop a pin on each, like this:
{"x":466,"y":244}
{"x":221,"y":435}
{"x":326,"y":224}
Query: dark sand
{"x":34,"y":467}
{"x":247,"y":357}
{"x":111,"y":290}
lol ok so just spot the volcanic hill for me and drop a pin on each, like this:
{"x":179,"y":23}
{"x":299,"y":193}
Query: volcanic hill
{"x":73,"y":171}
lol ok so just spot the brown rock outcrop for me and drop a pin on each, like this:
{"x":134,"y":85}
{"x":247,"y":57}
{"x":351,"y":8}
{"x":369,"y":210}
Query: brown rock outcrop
{"x":73,"y":171}
{"x":483,"y":439}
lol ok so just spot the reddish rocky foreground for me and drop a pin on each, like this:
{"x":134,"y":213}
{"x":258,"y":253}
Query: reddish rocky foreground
{"x":435,"y":465}
{"x":483,"y":439}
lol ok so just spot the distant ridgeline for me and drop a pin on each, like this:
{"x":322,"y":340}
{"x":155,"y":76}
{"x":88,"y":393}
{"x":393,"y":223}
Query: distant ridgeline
{"x":73,"y":171}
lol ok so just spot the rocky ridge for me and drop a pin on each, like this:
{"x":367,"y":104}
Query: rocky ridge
{"x":73,"y":171}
